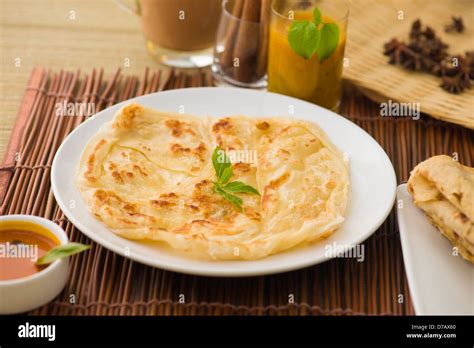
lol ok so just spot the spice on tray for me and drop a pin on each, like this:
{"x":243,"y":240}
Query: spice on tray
{"x":456,"y":25}
{"x":426,"y":52}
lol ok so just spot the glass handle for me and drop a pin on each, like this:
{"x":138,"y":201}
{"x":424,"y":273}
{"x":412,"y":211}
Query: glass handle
{"x":129,"y":7}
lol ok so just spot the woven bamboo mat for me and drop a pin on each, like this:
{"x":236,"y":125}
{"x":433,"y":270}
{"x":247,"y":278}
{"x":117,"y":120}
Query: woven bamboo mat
{"x":374,"y":22}
{"x":104,"y":283}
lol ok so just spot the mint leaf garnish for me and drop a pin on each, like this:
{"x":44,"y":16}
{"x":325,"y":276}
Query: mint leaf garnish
{"x":328,"y":42}
{"x":317,"y":16}
{"x":303,"y":38}
{"x":222,"y":186}
{"x":240,"y":187}
{"x":309,"y":37}
{"x":220,"y":161}
{"x":61,"y":251}
{"x":236,"y":201}
{"x":225,"y":177}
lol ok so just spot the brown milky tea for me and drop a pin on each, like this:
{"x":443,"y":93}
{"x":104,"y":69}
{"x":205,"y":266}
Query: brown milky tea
{"x":183,"y":25}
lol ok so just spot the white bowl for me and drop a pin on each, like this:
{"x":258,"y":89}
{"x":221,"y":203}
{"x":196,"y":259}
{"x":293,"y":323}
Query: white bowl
{"x":26,"y":293}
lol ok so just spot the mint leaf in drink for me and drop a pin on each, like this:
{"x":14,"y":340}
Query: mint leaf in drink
{"x":240,"y":187}
{"x":308,"y":37}
{"x":317,"y":16}
{"x":329,"y":41}
{"x":303,"y":38}
{"x":61,"y":251}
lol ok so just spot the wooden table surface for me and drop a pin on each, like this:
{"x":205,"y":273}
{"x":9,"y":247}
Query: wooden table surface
{"x":63,"y":34}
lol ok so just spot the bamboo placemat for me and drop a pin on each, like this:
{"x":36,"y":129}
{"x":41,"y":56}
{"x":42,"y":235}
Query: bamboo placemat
{"x":104,"y":283}
{"x":372,"y":23}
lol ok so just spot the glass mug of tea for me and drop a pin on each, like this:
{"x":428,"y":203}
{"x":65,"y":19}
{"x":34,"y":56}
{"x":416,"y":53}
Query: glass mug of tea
{"x":178,"y":33}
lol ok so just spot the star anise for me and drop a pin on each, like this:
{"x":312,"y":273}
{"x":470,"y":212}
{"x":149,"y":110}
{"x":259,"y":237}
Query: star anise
{"x":456,"y":25}
{"x":470,"y":63}
{"x":427,"y":52}
{"x":394,"y":49}
{"x":454,"y":84}
{"x":415,"y":29}
{"x":439,"y":69}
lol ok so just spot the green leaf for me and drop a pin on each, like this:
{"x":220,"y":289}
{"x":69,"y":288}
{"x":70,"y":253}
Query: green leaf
{"x":304,"y":38}
{"x":329,"y":41}
{"x":61,"y":251}
{"x":317,"y":16}
{"x":240,"y":187}
{"x":220,"y":161}
{"x":215,"y":164}
{"x":226,"y":175}
{"x":236,"y":201}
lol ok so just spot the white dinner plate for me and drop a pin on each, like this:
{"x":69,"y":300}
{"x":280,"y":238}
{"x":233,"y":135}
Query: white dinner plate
{"x":440,"y":282}
{"x":372,"y":194}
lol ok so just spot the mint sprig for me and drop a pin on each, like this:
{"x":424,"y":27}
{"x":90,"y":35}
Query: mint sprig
{"x":60,"y":252}
{"x":222,"y":186}
{"x":309,"y":37}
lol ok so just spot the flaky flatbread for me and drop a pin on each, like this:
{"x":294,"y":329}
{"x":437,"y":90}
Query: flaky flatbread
{"x":148,"y":175}
{"x":444,"y":189}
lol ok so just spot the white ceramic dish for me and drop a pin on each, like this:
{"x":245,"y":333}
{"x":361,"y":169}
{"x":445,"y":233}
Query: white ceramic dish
{"x":373,"y":182}
{"x":24,"y":294}
{"x":440,"y":283}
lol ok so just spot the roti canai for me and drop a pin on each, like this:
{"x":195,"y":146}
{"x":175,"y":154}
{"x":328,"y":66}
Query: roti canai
{"x":148,"y":175}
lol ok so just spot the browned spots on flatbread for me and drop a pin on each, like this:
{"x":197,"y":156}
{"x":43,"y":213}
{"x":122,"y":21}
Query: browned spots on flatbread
{"x":100,"y":196}
{"x":127,"y":174}
{"x":222,"y":125}
{"x":117,"y":177}
{"x":283,"y":154}
{"x":331,"y":184}
{"x":263,"y":125}
{"x":169,"y":195}
{"x":241,"y":167}
{"x":162,"y":203}
{"x":178,"y":128}
{"x":276,"y":183}
{"x":199,"y":151}
{"x":88,"y":174}
{"x":130,"y":207}
{"x":193,"y":207}
{"x":252,"y":214}
{"x":129,"y":114}
{"x":179,"y":149}
{"x":200,"y":185}
{"x":139,"y":169}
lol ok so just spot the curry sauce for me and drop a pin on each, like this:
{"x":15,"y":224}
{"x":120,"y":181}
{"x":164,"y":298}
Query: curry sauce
{"x":21,"y":245}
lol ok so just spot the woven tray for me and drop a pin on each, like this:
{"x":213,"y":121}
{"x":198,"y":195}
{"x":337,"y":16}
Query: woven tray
{"x":374,"y":22}
{"x":104,"y":283}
